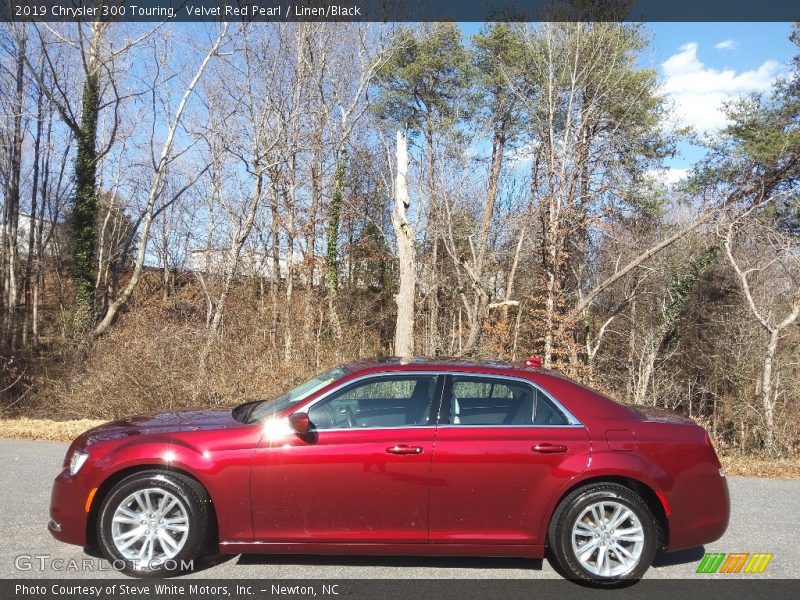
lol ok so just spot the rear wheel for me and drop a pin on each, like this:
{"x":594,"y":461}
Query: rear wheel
{"x":603,"y":533}
{"x":155,"y":523}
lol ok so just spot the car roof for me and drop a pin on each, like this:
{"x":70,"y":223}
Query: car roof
{"x":584,"y":402}
{"x":396,"y":363}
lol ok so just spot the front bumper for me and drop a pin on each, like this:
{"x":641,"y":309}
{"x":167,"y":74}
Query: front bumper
{"x":68,"y":517}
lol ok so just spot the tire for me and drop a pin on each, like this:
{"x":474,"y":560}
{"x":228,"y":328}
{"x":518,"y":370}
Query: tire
{"x":163,"y":539}
{"x":589,"y":547}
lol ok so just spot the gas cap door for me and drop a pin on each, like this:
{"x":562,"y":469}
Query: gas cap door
{"x":621,"y":440}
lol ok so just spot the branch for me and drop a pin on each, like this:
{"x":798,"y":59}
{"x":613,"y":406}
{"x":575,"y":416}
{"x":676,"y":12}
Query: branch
{"x":503,"y":303}
{"x":757,"y":186}
{"x":155,"y":189}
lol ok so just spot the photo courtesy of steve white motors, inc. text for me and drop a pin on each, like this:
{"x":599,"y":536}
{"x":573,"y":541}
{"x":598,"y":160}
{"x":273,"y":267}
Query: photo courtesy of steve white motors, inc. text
{"x":135,"y":590}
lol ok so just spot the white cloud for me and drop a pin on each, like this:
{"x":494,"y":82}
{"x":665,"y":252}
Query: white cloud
{"x":523,"y":155}
{"x":669,"y":176}
{"x":698,"y":91}
{"x":728,"y":44}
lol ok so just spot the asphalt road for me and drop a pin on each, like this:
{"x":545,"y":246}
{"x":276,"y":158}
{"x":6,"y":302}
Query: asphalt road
{"x":764,"y":519}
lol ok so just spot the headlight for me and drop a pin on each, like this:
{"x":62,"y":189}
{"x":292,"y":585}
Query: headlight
{"x":76,"y":462}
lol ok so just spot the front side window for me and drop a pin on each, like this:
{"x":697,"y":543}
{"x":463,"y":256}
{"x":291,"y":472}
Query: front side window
{"x":394,"y":401}
{"x":494,"y":401}
{"x":268,"y":408}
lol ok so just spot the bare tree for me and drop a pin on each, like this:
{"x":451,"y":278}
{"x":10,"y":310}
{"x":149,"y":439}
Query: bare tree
{"x":160,"y":167}
{"x":406,"y":254}
{"x":12,"y":195}
{"x":347,"y":98}
{"x":767,"y":265}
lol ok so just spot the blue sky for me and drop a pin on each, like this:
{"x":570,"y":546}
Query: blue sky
{"x":703,"y":64}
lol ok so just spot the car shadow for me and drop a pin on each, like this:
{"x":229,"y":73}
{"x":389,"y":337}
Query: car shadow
{"x":679,"y":557}
{"x":442,"y":562}
{"x":662,"y":559}
{"x":212,"y":560}
{"x":202,"y":563}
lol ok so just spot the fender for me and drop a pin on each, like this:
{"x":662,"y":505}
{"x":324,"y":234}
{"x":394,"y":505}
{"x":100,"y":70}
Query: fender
{"x":606,"y":463}
{"x":224,"y":473}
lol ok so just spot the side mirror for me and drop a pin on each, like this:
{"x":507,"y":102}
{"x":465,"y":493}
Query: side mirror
{"x":300,"y":422}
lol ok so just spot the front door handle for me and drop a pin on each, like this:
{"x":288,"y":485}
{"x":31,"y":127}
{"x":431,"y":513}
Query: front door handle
{"x":404,"y":449}
{"x":548,"y":448}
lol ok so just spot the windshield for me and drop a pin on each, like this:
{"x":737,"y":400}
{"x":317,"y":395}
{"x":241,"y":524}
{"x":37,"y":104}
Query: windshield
{"x":254,"y":411}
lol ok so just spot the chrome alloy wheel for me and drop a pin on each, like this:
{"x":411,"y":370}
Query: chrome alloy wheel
{"x":150,"y":526}
{"x":607,"y":539}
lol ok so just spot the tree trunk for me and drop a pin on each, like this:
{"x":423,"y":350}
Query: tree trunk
{"x":234,"y":253}
{"x":83,"y":220}
{"x":550,"y":296}
{"x":481,"y":298}
{"x":646,"y":368}
{"x":38,"y":289}
{"x":275,"y":253}
{"x":404,"y":326}
{"x":288,"y":335}
{"x":29,"y":271}
{"x":311,"y":236}
{"x":12,"y":203}
{"x":165,"y":257}
{"x":331,"y":258}
{"x":433,"y":227}
{"x":767,"y":393}
{"x":512,"y":274}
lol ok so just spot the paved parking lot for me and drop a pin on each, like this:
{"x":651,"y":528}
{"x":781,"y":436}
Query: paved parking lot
{"x":764,"y":519}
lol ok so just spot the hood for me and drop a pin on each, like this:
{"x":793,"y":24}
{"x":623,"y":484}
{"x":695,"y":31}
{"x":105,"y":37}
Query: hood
{"x":166,"y":422}
{"x":659,"y":415}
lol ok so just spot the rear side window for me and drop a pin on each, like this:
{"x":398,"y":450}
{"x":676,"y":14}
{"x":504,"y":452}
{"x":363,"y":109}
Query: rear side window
{"x":494,"y":401}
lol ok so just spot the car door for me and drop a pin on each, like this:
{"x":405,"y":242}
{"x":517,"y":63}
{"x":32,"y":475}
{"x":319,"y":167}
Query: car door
{"x":362,"y":473}
{"x":503,"y":447}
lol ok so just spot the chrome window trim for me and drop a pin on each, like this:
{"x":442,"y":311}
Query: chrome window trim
{"x":501,"y":426}
{"x":375,"y":428}
{"x":573,"y":421}
{"x":434,"y":374}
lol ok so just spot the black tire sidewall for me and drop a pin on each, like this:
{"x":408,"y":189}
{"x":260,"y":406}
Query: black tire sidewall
{"x":570,"y":510}
{"x":194,"y":500}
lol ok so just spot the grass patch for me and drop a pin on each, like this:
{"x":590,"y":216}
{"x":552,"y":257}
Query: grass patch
{"x":754,"y":466}
{"x":45,"y":429}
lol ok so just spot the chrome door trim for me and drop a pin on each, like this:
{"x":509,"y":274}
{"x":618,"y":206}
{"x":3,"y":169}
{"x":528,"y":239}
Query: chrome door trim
{"x":573,"y":421}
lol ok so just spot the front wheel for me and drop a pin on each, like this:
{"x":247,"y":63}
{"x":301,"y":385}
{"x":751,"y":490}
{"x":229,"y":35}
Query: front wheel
{"x":603,"y":533}
{"x":154,"y":523}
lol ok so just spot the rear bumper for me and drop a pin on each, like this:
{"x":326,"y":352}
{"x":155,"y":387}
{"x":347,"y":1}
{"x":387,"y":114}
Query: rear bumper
{"x":68,"y":516}
{"x":701,"y":508}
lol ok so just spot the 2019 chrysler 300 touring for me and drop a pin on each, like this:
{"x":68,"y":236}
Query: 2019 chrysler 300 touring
{"x":421,"y":457}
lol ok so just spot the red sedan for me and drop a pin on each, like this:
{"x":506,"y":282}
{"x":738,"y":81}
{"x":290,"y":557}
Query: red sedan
{"x":423,"y":457}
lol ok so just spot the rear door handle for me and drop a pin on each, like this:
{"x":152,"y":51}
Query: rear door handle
{"x":404,"y":449}
{"x":547,"y":448}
